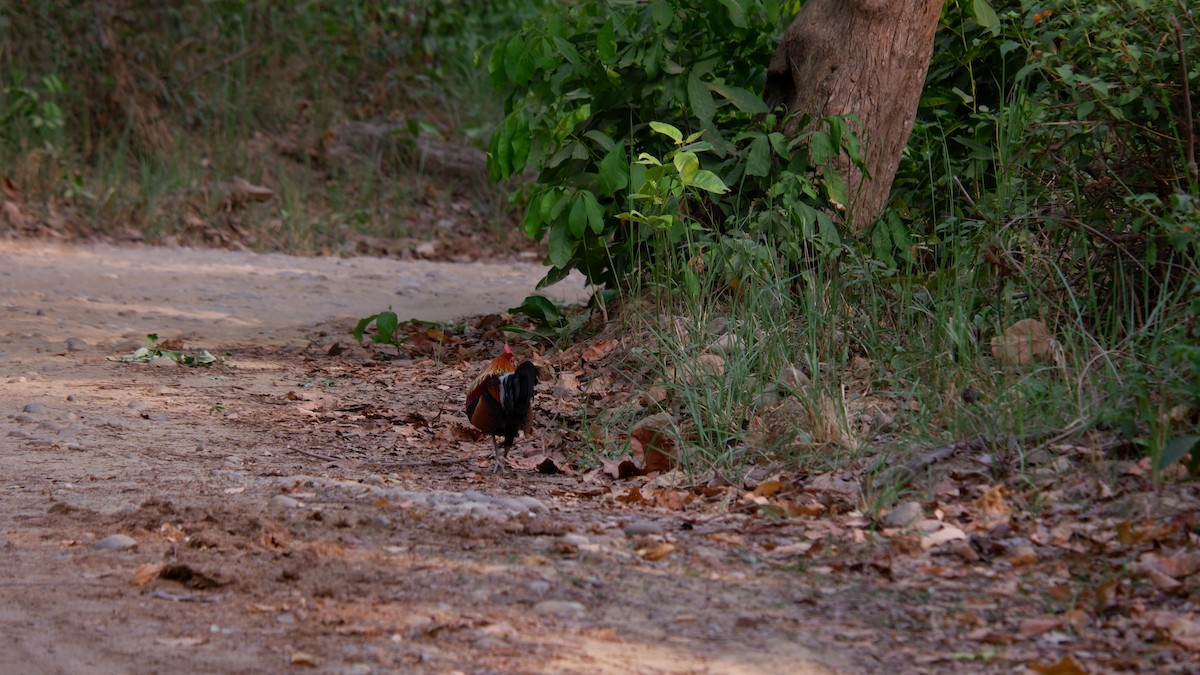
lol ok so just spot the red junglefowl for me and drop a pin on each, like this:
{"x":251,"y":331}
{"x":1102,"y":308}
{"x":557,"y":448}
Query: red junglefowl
{"x":498,"y":402}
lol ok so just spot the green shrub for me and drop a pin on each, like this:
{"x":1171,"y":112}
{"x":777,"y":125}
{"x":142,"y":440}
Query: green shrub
{"x":585,"y":85}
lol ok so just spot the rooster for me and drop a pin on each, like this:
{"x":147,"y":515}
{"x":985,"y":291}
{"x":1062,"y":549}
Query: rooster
{"x":498,"y":402}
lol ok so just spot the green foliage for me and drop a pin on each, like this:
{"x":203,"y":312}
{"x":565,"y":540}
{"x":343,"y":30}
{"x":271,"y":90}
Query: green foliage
{"x":31,"y":115}
{"x":1048,"y":176}
{"x":642,"y":125}
{"x":144,"y":105}
{"x":386,"y":323}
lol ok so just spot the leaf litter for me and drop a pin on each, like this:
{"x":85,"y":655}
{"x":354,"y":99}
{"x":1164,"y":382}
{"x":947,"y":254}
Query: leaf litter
{"x":1087,"y":568}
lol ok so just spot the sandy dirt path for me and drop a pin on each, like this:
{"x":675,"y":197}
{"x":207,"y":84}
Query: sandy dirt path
{"x":295,"y":510}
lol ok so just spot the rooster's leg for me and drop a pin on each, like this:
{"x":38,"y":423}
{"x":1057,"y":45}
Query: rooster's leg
{"x":501,"y":457}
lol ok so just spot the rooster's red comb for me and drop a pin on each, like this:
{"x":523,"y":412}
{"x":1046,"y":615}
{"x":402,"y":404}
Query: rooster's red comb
{"x":507,"y":349}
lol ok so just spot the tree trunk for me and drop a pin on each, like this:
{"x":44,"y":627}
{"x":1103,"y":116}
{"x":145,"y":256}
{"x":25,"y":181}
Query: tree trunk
{"x":865,"y":58}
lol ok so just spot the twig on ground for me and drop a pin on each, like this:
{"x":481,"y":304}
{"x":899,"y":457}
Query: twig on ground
{"x":317,"y":455}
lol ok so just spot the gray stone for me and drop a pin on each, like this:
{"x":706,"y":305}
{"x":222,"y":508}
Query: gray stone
{"x":35,"y":408}
{"x":560,"y":608}
{"x":75,"y":344}
{"x":905,"y":514}
{"x":115,"y":542}
{"x":284,"y":502}
{"x":642,"y":527}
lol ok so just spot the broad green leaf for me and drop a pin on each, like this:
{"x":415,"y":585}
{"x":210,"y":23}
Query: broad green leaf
{"x":568,"y":52}
{"x":559,"y":204}
{"x":835,"y":188}
{"x":513,"y":53}
{"x":985,"y":16}
{"x":606,"y":42}
{"x":1177,"y":448}
{"x":737,"y":15}
{"x":687,"y":164}
{"x":496,"y":65}
{"x":595,"y":214}
{"x":555,"y":275}
{"x":602,"y":139}
{"x":386,"y":324}
{"x":358,"y":328}
{"x":495,"y":170}
{"x":540,"y":308}
{"x":758,"y":157}
{"x":666,"y":130}
{"x":701,"y":100}
{"x":614,"y":171}
{"x":707,"y":180}
{"x":561,"y":245}
{"x":820,"y":148}
{"x":662,"y":14}
{"x":520,"y":137}
{"x":779,"y":143}
{"x":504,"y":150}
{"x":743,"y":99}
{"x":577,"y":220}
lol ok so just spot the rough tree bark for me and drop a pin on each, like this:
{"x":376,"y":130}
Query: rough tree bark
{"x":866,"y":58}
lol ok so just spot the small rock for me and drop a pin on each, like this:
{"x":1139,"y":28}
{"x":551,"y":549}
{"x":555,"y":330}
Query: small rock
{"x":115,"y":542}
{"x":538,"y":586}
{"x":162,"y":361}
{"x":35,"y":408}
{"x":374,"y":479}
{"x":718,"y":326}
{"x":726,"y":344}
{"x":903,"y":515}
{"x":769,"y":396}
{"x":794,"y":379}
{"x":284,"y":502}
{"x":642,"y":527}
{"x":380,"y":521}
{"x":575,"y":539}
{"x":303,"y":659}
{"x":560,"y":608}
{"x":1023,"y":555}
{"x":656,"y":394}
{"x":75,"y":344}
{"x":711,"y":364}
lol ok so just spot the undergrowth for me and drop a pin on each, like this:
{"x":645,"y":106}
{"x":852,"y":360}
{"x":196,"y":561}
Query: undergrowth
{"x":134,"y":118}
{"x":1050,"y":178}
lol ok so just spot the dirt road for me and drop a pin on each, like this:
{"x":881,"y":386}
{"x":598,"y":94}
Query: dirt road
{"x":290,"y":509}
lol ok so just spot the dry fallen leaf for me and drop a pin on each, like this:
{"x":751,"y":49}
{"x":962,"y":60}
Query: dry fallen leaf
{"x":1038,"y":625}
{"x":1067,"y":666}
{"x":657,"y":552}
{"x":303,"y":659}
{"x":1024,"y":342}
{"x":995,"y":509}
{"x":620,"y":468}
{"x":181,"y":641}
{"x":599,"y":350}
{"x":769,"y":488}
{"x":941,"y":536}
{"x":658,"y":447}
{"x":145,"y":573}
{"x":1186,"y":632}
